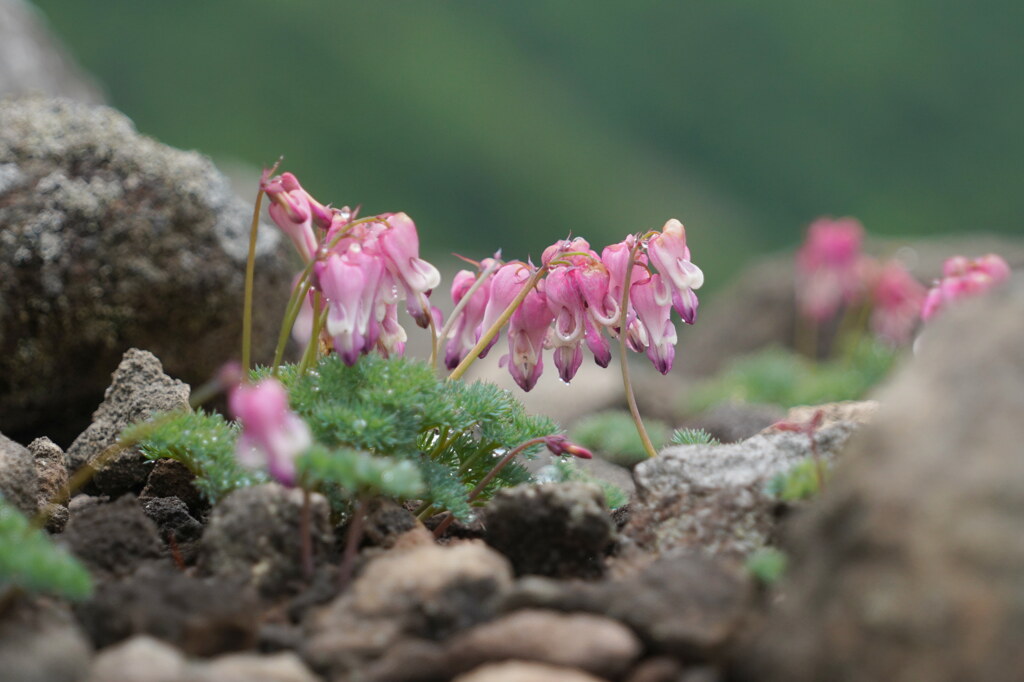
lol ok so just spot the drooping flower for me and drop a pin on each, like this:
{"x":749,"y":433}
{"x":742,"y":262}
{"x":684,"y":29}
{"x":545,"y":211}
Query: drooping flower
{"x":272,"y":435}
{"x":668,"y":253}
{"x":506,"y":284}
{"x":652,"y":300}
{"x":963,"y":278}
{"x":527,"y":330}
{"x":295,"y":211}
{"x":350,"y":281}
{"x":467,"y":329}
{"x":828,"y":267}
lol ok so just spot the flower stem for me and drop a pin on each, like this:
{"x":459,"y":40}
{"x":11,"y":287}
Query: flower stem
{"x":313,"y":347}
{"x":353,"y":536}
{"x":250,"y":274}
{"x":443,"y":526}
{"x":627,"y":384}
{"x":290,"y":315}
{"x":496,"y":327}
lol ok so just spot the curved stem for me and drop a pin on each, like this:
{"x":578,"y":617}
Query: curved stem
{"x":250,"y":274}
{"x":443,"y":526}
{"x":313,"y":347}
{"x":291,"y":314}
{"x":627,"y":384}
{"x":485,"y":340}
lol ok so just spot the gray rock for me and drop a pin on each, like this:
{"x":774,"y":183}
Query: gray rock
{"x":113,"y":538}
{"x":138,"y":389}
{"x":32,"y":60}
{"x":712,"y":498}
{"x":52,"y":476}
{"x":685,"y":605}
{"x":245,"y":667}
{"x":552,"y":529}
{"x":427,"y":591}
{"x":18,"y":483}
{"x":525,"y":671}
{"x":169,"y":478}
{"x":171,"y":516}
{"x":113,"y":241}
{"x":910,"y":567}
{"x":139,"y":659}
{"x":582,"y":641}
{"x":253,"y":534}
{"x":40,"y":642}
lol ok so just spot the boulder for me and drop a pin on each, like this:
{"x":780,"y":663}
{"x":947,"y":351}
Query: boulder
{"x":911,"y":567}
{"x":112,"y":240}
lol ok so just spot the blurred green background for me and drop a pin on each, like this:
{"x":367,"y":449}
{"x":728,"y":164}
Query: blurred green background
{"x":509,"y":124}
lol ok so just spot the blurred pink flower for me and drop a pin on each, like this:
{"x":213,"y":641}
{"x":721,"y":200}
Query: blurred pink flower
{"x":272,"y":435}
{"x":963,"y":278}
{"x":828,"y":267}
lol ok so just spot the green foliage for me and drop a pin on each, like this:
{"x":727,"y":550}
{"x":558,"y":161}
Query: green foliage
{"x":453,"y":433}
{"x":30,"y":561}
{"x":693,"y":437}
{"x":799,"y":483}
{"x":203,"y":442}
{"x":782,"y":377}
{"x":567,"y":469}
{"x":612,"y":436}
{"x":355,"y":471}
{"x":767,"y":565}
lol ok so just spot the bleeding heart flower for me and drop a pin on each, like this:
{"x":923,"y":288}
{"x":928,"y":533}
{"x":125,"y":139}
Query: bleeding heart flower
{"x":272,"y":435}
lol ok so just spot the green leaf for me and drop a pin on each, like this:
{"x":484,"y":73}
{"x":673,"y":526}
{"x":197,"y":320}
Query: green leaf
{"x":31,"y":562}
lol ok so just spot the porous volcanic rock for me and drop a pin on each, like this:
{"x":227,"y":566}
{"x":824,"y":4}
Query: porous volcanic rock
{"x":18,"y":483}
{"x":253,"y":534}
{"x":113,"y":539}
{"x":112,"y":240}
{"x":911,"y":567}
{"x":138,"y":389}
{"x":552,"y":529}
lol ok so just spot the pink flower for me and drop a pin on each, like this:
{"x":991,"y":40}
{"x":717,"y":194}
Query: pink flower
{"x":828,"y":267}
{"x":897,"y":299}
{"x":506,"y":284}
{"x":668,"y":252}
{"x":652,"y":300}
{"x":963,"y":278}
{"x":527,"y":330}
{"x":295,"y":210}
{"x":272,"y":435}
{"x":350,"y":281}
{"x":468,"y":328}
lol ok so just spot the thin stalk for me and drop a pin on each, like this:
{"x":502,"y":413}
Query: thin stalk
{"x":627,"y":384}
{"x":250,"y":274}
{"x":425,"y":307}
{"x":496,"y":327}
{"x":352,"y":538}
{"x":291,"y":314}
{"x":806,"y":340}
{"x":313,"y":347}
{"x":509,"y":456}
{"x":464,"y":301}
{"x":306,"y":535}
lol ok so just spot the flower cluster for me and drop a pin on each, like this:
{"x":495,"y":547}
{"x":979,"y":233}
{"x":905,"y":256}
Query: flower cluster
{"x":362,"y":268}
{"x":832,"y":271}
{"x":578,"y":301}
{"x":963,"y":278}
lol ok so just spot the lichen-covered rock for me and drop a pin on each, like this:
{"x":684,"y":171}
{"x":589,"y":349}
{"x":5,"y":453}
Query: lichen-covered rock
{"x":911,"y":566}
{"x":552,"y":529}
{"x":253,"y":534}
{"x":712,"y":498}
{"x":18,"y":483}
{"x":112,"y":240}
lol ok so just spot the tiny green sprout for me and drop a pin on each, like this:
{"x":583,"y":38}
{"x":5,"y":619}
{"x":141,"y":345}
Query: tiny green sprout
{"x":767,"y":565}
{"x":799,"y":483}
{"x":693,"y":437}
{"x":30,"y":562}
{"x":564,"y":470}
